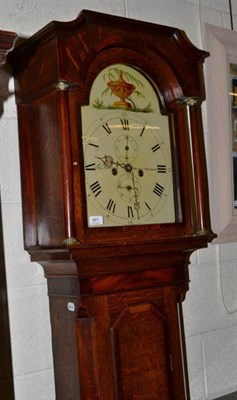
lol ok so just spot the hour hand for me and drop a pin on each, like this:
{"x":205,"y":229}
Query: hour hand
{"x":108,"y":161}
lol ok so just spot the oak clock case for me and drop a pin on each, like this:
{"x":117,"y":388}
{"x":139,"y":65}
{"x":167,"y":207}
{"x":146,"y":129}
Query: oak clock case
{"x":115,"y":198}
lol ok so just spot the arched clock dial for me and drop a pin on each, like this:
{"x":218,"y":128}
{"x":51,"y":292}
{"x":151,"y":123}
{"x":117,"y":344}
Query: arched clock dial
{"x":127,"y":151}
{"x":128,"y":170}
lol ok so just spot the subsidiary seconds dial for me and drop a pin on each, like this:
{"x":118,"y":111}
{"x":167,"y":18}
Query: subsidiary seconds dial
{"x":128,"y":171}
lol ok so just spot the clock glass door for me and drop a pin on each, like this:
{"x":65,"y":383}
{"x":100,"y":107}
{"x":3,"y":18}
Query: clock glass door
{"x":127,"y":152}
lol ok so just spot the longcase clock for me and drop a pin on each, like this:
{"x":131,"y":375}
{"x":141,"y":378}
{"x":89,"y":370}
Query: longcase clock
{"x":115,"y":198}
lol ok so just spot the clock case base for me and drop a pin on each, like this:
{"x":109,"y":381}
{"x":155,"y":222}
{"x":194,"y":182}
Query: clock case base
{"x":118,"y":343}
{"x":115,"y":294}
{"x":118,"y":331}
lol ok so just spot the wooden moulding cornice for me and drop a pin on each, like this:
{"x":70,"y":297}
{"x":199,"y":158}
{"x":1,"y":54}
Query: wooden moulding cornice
{"x":7,"y":42}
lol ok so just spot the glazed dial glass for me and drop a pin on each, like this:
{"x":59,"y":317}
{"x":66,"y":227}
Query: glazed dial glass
{"x":127,"y":154}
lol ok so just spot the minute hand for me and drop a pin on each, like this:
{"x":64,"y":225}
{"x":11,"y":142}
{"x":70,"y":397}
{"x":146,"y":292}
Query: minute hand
{"x":136,"y":204}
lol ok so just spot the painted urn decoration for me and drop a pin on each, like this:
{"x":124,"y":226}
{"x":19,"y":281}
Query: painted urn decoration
{"x":124,"y":83}
{"x":121,"y":89}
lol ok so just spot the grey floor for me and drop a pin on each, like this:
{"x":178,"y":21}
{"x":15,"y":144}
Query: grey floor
{"x":232,"y":396}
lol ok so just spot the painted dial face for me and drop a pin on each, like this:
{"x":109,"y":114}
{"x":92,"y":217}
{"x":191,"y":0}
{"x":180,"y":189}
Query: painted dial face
{"x":128,"y":170}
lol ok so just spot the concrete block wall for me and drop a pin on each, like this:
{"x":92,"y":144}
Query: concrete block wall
{"x":210,"y":308}
{"x":210,"y":315}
